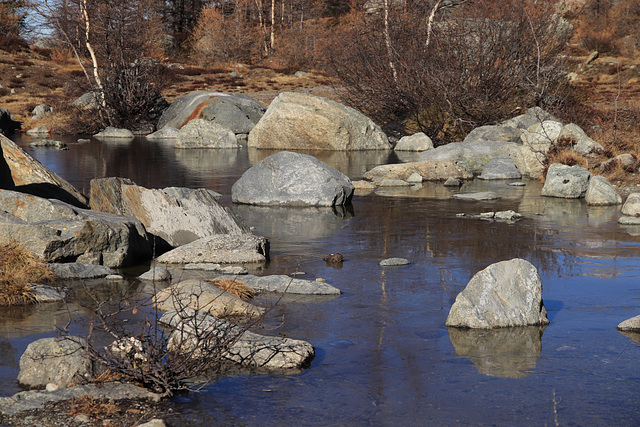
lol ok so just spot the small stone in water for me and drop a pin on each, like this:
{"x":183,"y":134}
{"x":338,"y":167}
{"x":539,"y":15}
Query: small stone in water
{"x":394,"y":262}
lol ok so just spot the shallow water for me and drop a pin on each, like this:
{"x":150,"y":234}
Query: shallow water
{"x":383,"y":354}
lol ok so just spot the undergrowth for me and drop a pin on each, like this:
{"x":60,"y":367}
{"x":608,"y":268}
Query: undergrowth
{"x":19,"y":268}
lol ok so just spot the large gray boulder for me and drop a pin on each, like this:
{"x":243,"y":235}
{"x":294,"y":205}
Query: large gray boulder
{"x":632,"y":324}
{"x":56,"y":231}
{"x":501,"y":167}
{"x":292,"y":179}
{"x":569,"y":182}
{"x":416,"y":142}
{"x":296,"y":121}
{"x":220,"y":249}
{"x":203,"y":296}
{"x":237,"y":112}
{"x":200,"y":335}
{"x":583,"y":144}
{"x":507,"y":293}
{"x":600,"y":192}
{"x":529,"y":118}
{"x":19,"y":171}
{"x":200,"y":133}
{"x":177,"y":215}
{"x":470,"y":155}
{"x":62,"y":361}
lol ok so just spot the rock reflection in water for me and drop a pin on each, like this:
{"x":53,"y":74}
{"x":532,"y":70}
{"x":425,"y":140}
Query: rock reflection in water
{"x":632,"y":335}
{"x":22,"y":321}
{"x":504,"y":352}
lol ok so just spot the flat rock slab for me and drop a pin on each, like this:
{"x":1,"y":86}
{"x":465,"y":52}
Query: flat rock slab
{"x":428,"y":170}
{"x":507,"y":293}
{"x":483,"y":195}
{"x":44,"y":293}
{"x":394,"y":262}
{"x":220,"y":249}
{"x":632,"y":324}
{"x":224,"y":269}
{"x":203,"y":296}
{"x":76,"y":270}
{"x":247,"y":348}
{"x":286,"y":284}
{"x":629,"y":220}
{"x":28,"y":400}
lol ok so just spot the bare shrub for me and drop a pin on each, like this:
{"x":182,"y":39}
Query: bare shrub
{"x":482,"y":61}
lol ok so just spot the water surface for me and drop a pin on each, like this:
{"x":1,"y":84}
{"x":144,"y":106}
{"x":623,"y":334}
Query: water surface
{"x":383,"y":354}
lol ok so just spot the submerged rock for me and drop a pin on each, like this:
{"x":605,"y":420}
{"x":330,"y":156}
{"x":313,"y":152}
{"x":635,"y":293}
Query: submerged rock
{"x":507,"y":293}
{"x":75,"y":270}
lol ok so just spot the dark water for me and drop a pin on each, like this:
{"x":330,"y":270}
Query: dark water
{"x":383,"y":354}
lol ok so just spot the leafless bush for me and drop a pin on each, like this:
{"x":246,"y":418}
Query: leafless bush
{"x":478,"y":63}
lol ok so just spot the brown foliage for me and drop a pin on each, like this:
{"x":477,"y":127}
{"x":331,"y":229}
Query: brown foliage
{"x":234,"y":287}
{"x":18,"y":269}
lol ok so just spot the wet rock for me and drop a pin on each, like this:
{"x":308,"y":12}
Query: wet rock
{"x":56,"y":231}
{"x":208,"y":266}
{"x":569,"y":182}
{"x":394,"y":262}
{"x":75,"y":270}
{"x":507,"y":293}
{"x":247,"y":348}
{"x":483,"y":195}
{"x":59,"y":145}
{"x":507,"y":215}
{"x":200,"y":133}
{"x":111,"y":132}
{"x":296,"y":121}
{"x":631,"y":206}
{"x":292,"y":179}
{"x":600,"y":192}
{"x":19,"y":171}
{"x":501,"y":167}
{"x":156,"y":274}
{"x":221,"y":248}
{"x":62,"y":361}
{"x":629,"y":220}
{"x":286,"y":284}
{"x":200,"y":295}
{"x":176,"y":215}
{"x":236,"y":112}
{"x":504,"y":353}
{"x":416,"y":142}
{"x":333,"y":258}
{"x":632,"y":324}
{"x":44,"y":294}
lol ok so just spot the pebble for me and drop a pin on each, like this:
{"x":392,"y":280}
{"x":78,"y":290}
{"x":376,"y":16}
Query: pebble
{"x":389,"y":262}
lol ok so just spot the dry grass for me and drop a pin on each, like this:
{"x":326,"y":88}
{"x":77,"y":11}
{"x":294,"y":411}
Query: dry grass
{"x":234,"y":287}
{"x":92,"y":407}
{"x":18,"y":269}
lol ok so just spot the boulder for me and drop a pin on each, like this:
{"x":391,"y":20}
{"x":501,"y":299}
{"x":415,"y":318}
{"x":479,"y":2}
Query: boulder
{"x":428,"y":170}
{"x":507,"y":293}
{"x":632,"y":324}
{"x":38,"y":131}
{"x":86,"y":101}
{"x":41,"y":111}
{"x":524,"y":121}
{"x":416,"y":142}
{"x":19,"y":171}
{"x":470,"y":155}
{"x":62,"y":361}
{"x":452,"y":182}
{"x":167,"y":132}
{"x":221,"y":248}
{"x":499,"y":133}
{"x":237,"y":112}
{"x":394,"y":262}
{"x":582,"y":143}
{"x":111,"y":132}
{"x":292,"y":179}
{"x":600,"y":192}
{"x":199,"y":133}
{"x":501,"y":167}
{"x":176,"y":215}
{"x":156,"y":274}
{"x":305,"y":122}
{"x":201,"y":335}
{"x":631,"y":206}
{"x":569,"y":182}
{"x":203,"y":296}
{"x":56,"y":231}
{"x":531,"y":156}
